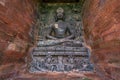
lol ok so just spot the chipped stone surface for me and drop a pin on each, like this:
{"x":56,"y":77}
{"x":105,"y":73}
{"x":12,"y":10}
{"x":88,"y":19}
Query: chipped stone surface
{"x":16,"y":20}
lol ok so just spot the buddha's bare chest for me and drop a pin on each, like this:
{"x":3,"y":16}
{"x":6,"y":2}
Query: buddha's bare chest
{"x":60,"y":28}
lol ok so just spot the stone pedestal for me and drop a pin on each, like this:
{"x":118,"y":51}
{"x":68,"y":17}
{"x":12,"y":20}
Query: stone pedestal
{"x":58,"y":58}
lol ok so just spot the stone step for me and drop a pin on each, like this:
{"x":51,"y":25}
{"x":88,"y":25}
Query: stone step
{"x":60,"y":53}
{"x":65,"y":49}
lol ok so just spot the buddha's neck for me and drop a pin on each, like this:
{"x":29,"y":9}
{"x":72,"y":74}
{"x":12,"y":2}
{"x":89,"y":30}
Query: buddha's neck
{"x":60,"y":20}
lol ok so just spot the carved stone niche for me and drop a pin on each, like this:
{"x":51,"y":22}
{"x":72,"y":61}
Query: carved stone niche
{"x":61,"y":54}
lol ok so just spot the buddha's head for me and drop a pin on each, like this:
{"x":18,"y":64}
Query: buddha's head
{"x":59,"y":14}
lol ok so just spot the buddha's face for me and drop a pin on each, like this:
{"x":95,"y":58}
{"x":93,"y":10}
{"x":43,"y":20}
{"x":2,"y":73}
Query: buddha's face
{"x":60,"y":16}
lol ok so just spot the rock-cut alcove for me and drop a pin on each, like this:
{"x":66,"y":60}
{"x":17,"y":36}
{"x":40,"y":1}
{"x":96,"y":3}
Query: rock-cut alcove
{"x":101,"y":21}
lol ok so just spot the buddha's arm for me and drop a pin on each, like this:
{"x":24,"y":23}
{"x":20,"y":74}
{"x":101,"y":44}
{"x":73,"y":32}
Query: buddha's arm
{"x":50,"y":37}
{"x":71,"y":32}
{"x":49,"y":32}
{"x":71,"y":36}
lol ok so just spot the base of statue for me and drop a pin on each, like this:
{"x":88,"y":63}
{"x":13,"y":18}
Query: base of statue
{"x":60,"y":58}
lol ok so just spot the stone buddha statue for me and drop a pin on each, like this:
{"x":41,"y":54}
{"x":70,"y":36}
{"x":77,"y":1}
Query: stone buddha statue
{"x":60,"y":49}
{"x":60,"y":29}
{"x":59,"y":32}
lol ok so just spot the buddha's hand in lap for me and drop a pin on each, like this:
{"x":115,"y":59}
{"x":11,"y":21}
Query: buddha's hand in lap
{"x":65,"y":40}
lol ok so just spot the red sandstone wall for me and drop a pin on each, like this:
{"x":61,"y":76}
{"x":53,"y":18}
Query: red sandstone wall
{"x":101,"y":19}
{"x":16,"y":20}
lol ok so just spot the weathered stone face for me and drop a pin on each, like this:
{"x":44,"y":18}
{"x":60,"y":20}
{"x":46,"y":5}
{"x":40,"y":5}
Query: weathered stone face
{"x":102,"y":24}
{"x":16,"y":19}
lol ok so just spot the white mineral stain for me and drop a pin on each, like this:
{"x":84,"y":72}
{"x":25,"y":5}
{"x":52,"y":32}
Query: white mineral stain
{"x":2,"y":2}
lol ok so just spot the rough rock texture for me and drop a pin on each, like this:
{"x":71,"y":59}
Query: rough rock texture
{"x":101,"y":20}
{"x":16,"y":20}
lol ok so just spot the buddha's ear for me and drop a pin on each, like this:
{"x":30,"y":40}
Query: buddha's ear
{"x":55,"y":18}
{"x":64,"y":16}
